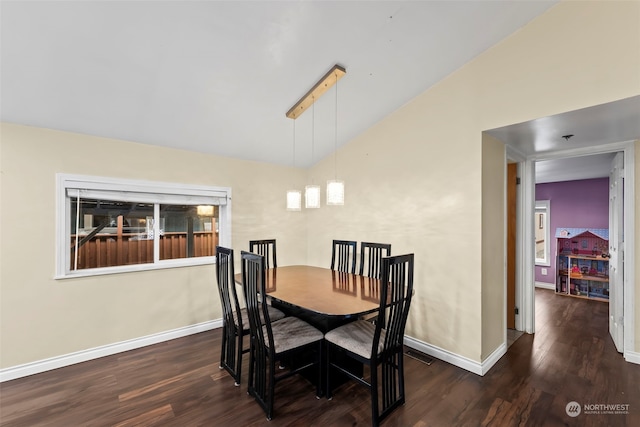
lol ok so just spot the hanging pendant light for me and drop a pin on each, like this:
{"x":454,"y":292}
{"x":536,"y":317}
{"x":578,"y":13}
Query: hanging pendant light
{"x":335,"y":193}
{"x":335,"y":188}
{"x":312,"y":196}
{"x":312,"y":191}
{"x":294,"y":197}
{"x":294,"y":200}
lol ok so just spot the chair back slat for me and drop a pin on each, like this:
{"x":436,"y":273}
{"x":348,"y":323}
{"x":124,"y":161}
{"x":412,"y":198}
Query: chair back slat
{"x":254,"y":288}
{"x":266,"y":248}
{"x":232,"y":327}
{"x":371,"y":255}
{"x":395,"y":299}
{"x":225,"y":273}
{"x":343,"y":256}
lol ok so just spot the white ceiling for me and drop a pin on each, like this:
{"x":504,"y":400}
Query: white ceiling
{"x":617,"y":121}
{"x":574,"y":168}
{"x":218,"y":76}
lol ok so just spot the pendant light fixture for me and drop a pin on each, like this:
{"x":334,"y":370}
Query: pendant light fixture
{"x":324,"y":84}
{"x":312,"y":196}
{"x":335,"y":188}
{"x":312,"y":191}
{"x":294,"y":197}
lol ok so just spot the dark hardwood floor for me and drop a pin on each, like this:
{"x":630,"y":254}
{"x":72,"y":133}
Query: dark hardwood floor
{"x":178,"y":383}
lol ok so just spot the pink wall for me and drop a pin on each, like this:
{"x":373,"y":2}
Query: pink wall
{"x":583,"y":203}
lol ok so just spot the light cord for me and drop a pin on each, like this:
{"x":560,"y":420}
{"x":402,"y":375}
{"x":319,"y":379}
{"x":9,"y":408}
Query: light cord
{"x":335,"y":161}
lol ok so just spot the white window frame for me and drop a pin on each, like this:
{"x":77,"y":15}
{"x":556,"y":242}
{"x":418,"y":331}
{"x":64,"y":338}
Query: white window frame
{"x":544,"y":206}
{"x":147,"y":191}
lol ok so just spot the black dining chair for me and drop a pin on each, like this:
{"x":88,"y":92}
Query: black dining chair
{"x":275,"y":339}
{"x":371,"y":255}
{"x":234,"y":327}
{"x":379,"y":345}
{"x":266,"y":248}
{"x":343,"y":256}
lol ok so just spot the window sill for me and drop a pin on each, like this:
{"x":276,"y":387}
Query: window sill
{"x":174,"y":263}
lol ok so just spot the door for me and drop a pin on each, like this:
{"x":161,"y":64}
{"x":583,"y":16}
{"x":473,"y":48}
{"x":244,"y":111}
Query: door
{"x":512,"y":171}
{"x":616,"y":260}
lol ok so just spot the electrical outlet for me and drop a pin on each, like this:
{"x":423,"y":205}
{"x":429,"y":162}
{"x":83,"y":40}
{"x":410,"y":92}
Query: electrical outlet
{"x":543,"y":271}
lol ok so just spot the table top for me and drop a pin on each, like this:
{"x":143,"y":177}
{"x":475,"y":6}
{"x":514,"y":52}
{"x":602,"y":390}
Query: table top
{"x":322,"y":290}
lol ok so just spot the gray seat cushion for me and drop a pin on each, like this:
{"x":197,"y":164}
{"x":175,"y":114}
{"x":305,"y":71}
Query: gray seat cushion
{"x":291,"y":332}
{"x":274,"y":314}
{"x":357,"y":337}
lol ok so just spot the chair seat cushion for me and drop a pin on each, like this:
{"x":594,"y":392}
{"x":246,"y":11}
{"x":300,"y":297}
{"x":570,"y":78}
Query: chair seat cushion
{"x":356,"y":337}
{"x":274,"y":314}
{"x":291,"y":332}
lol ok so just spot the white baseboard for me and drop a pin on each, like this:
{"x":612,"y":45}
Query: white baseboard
{"x":493,"y":358}
{"x":27,"y":369}
{"x":39,"y":366}
{"x":546,"y":285}
{"x":632,"y":357}
{"x":479,"y":368}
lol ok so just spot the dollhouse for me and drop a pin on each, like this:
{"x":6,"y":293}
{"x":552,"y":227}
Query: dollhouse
{"x":582,"y":266}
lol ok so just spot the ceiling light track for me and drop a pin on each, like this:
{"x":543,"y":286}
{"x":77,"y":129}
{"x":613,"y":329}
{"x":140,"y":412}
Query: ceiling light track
{"x":335,"y":188}
{"x":325,"y":83}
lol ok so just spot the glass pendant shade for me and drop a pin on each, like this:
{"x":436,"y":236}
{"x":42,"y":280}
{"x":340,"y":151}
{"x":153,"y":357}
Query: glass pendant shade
{"x":312,"y":196}
{"x":294,"y":200}
{"x":335,"y":193}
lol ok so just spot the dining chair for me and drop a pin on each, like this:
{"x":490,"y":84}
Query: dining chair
{"x":371,"y":255}
{"x":273,"y":340}
{"x":266,"y":248}
{"x":234,"y":327}
{"x":379,"y":345}
{"x":343,"y":256}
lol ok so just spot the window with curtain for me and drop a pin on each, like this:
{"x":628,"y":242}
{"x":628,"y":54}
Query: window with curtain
{"x":110,"y":225}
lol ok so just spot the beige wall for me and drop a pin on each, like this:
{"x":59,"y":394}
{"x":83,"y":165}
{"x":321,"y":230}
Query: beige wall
{"x":414,"y":180}
{"x":41,"y":317}
{"x":494,"y":242}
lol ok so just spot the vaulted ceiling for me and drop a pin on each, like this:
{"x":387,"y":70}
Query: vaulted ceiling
{"x":218,"y":76}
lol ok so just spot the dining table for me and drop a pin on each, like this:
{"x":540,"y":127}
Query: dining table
{"x":322,"y":297}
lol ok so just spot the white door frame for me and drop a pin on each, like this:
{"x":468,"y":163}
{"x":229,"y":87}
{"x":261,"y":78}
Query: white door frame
{"x":527,"y":180}
{"x":616,"y":256}
{"x":524,"y":192}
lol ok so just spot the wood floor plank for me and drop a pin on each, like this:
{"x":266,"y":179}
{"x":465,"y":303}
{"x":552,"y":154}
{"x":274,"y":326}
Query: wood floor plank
{"x":178,"y":383}
{"x":158,"y":416}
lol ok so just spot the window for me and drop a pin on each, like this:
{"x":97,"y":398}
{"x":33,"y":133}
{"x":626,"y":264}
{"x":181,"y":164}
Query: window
{"x":542,"y":234}
{"x":108,"y":225}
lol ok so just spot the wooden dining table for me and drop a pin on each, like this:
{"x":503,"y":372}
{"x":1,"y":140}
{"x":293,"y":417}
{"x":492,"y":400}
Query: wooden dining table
{"x":323,"y":297}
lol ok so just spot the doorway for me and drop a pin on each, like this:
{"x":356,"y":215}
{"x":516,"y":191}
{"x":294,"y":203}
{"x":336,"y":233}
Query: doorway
{"x":578,"y":233}
{"x":599,"y":129}
{"x":626,"y":283}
